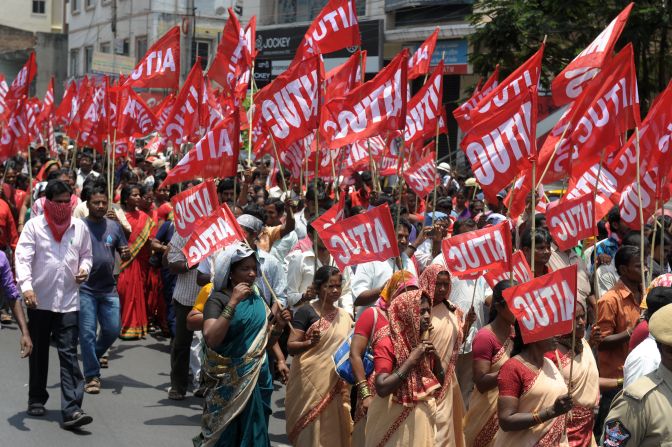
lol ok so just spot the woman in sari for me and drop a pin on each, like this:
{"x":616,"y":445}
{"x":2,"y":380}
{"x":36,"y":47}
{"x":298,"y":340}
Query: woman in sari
{"x":585,"y":381}
{"x":408,"y":373}
{"x":533,"y":397}
{"x":446,"y":334}
{"x":235,"y":368}
{"x":367,"y":335}
{"x":492,"y":347}
{"x":317,"y":402}
{"x":156,"y":305}
{"x":133,"y":276}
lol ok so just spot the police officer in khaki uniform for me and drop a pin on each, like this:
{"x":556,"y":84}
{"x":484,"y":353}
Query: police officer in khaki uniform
{"x":641,"y":414}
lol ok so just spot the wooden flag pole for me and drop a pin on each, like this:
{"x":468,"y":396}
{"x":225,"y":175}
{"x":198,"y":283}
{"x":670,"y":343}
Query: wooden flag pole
{"x":282,"y":172}
{"x":550,"y":160}
{"x":597,"y":186}
{"x":249,"y":120}
{"x":532,"y":211}
{"x":653,"y":240}
{"x":30,"y":178}
{"x":508,"y":217}
{"x":662,"y":229}
{"x":641,"y":211}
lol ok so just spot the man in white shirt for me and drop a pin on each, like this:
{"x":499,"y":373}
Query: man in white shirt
{"x":85,"y":169}
{"x":370,"y":277}
{"x":53,"y":257}
{"x":645,"y":358}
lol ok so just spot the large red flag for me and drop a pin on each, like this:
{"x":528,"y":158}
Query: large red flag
{"x":362,"y":238}
{"x":572,"y":220}
{"x":47,"y":105}
{"x":182,"y":123}
{"x":22,"y":81}
{"x":569,"y":84}
{"x":517,"y":83}
{"x":215,"y":155}
{"x":336,"y":27}
{"x":135,"y":118}
{"x":462,"y":113}
{"x":375,"y":107}
{"x":193,"y":205}
{"x":289,"y":108}
{"x":425,"y":110}
{"x":331,"y":216}
{"x":502,"y":146}
{"x":215,"y":232}
{"x":608,"y":194}
{"x":67,"y":109}
{"x":478,"y":250}
{"x":160,"y":68}
{"x":15,"y":131}
{"x":606,"y":109}
{"x":653,"y":195}
{"x":419,"y":63}
{"x":4,"y":110}
{"x":233,"y":56}
{"x":544,"y":307}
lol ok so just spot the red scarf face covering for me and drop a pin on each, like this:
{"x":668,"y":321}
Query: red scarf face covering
{"x":58,"y":216}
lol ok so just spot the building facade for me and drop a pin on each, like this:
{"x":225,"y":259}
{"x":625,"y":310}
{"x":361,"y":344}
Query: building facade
{"x":34,"y":25}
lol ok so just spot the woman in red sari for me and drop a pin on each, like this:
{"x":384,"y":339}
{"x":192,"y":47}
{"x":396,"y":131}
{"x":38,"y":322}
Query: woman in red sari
{"x":133,"y":276}
{"x":156,"y":305}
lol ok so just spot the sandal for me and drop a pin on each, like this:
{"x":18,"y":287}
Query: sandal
{"x":175,"y":395}
{"x":36,"y":410}
{"x":104,"y":362}
{"x":92,"y":386}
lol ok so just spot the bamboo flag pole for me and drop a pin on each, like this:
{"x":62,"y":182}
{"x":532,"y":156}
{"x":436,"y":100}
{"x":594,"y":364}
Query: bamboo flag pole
{"x":597,"y":186}
{"x":508,"y":216}
{"x":282,"y":171}
{"x":653,"y":239}
{"x":663,"y":230}
{"x":30,"y":179}
{"x":251,"y":115}
{"x":532,"y":211}
{"x":641,"y":211}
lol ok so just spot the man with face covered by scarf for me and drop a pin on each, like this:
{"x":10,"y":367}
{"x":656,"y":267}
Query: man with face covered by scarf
{"x":53,"y":257}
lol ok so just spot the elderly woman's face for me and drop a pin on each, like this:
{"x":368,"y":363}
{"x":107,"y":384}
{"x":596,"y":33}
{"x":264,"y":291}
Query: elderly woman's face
{"x":244,"y":271}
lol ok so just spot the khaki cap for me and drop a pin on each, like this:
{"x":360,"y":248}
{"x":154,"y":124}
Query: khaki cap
{"x":660,"y":325}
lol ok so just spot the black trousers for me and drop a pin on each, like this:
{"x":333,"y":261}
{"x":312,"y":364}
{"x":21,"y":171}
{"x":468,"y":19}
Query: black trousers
{"x":179,"y":354}
{"x":44,"y":325}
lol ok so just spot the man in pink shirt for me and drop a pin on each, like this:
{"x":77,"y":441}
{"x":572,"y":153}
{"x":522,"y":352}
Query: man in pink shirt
{"x":53,"y":257}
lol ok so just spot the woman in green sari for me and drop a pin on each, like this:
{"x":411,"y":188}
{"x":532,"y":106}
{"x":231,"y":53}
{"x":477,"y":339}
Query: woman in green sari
{"x":237,"y":331}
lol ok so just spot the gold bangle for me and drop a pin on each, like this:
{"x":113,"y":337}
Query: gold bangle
{"x":619,"y":382}
{"x":364,"y":395}
{"x":536,"y":418}
{"x":360,"y":382}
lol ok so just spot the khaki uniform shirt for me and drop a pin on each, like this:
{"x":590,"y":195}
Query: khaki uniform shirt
{"x":641,"y":415}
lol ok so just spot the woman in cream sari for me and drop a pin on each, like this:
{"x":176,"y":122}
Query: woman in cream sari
{"x":491,"y":348}
{"x":366,"y":334}
{"x":317,"y":402}
{"x":446,"y":334}
{"x":533,"y":398}
{"x":408,"y":373}
{"x":235,"y":367}
{"x":585,"y":382}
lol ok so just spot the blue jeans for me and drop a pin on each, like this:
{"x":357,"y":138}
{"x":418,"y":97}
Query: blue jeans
{"x":94,"y":309}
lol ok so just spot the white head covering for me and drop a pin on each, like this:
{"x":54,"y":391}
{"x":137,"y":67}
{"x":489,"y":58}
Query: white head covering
{"x":250,"y":222}
{"x":225,"y":259}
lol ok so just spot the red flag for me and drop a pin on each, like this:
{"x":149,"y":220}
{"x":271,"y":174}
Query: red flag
{"x":502,"y":146}
{"x":421,"y":177}
{"x":124,"y":147}
{"x":294,"y":156}
{"x":182,"y":123}
{"x":135,"y":118}
{"x":48,"y":104}
{"x":160,"y":68}
{"x":156,"y":144}
{"x":67,"y":109}
{"x":650,"y":188}
{"x":215,"y":232}
{"x":572,"y":220}
{"x":517,"y":83}
{"x":521,"y":271}
{"x":4,"y":110}
{"x":93,"y":122}
{"x":544,"y":307}
{"x":655,"y":137}
{"x":331,"y":216}
{"x":478,"y":250}
{"x":343,"y":79}
{"x":569,"y":84}
{"x":289,"y":107}
{"x":31,"y":111}
{"x":606,"y":109}
{"x":51,"y":139}
{"x":215,"y":155}
{"x":375,"y":107}
{"x":336,"y":27}
{"x":608,"y":194}
{"x":163,"y":110}
{"x":419,"y":63}
{"x":233,"y":55}
{"x":362,"y":238}
{"x":22,"y":81}
{"x":462,"y":113}
{"x":425,"y":109}
{"x":14,"y":132}
{"x":190,"y":207}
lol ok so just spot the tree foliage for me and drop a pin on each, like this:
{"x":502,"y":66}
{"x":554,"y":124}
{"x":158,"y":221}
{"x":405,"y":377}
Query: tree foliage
{"x":510,"y":31}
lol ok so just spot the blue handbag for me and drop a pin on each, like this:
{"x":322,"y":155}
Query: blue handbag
{"x":342,"y":356}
